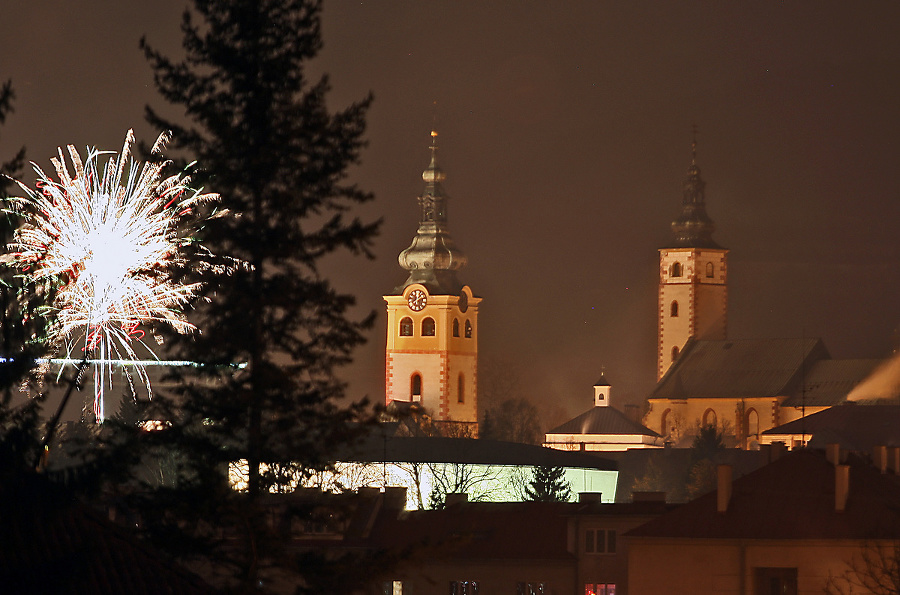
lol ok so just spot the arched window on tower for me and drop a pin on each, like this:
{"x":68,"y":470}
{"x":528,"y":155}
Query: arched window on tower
{"x":428,"y":327}
{"x":406,"y":327}
{"x":710,"y":270}
{"x":676,"y":270}
{"x":675,"y":352}
{"x":468,"y":329}
{"x":461,"y":389}
{"x":415,"y":388}
{"x":674,"y":310}
{"x":455,"y":327}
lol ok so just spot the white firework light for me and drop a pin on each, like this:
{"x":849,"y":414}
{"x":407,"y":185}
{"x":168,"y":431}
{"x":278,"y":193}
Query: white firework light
{"x":109,"y":243}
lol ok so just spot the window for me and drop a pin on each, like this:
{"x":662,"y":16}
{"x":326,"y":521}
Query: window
{"x":775,"y":581}
{"x":664,"y":424}
{"x":709,"y":270}
{"x":415,"y":387}
{"x":709,"y":418}
{"x":428,"y":327}
{"x":673,"y":311}
{"x":392,"y":588}
{"x":406,"y":327}
{"x":463,"y":587}
{"x":675,"y":352}
{"x":676,"y":270}
{"x":600,"y":541}
{"x":600,"y":589}
{"x":461,"y":389}
{"x":468,"y":329}
{"x":752,"y":424}
{"x":532,"y":588}
{"x":455,"y":327}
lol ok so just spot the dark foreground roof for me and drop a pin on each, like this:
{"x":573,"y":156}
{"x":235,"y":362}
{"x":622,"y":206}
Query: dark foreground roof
{"x":854,"y":427}
{"x":603,"y":421}
{"x":380,"y":446}
{"x":739,"y":369}
{"x":49,"y":543}
{"x":791,"y":498}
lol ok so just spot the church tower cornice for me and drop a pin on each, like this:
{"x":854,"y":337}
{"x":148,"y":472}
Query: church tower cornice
{"x":432,"y":259}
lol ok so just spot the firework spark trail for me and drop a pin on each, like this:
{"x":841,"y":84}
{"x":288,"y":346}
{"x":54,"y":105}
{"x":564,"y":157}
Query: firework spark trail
{"x":109,"y":243}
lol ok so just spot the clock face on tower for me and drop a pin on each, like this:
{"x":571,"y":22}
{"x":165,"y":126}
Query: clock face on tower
{"x":417,"y":300}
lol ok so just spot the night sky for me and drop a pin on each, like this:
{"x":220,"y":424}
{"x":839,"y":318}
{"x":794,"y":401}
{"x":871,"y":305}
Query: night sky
{"x":565,"y":134}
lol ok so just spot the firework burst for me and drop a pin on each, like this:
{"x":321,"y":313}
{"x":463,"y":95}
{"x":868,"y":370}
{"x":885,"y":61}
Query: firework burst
{"x":109,"y":245}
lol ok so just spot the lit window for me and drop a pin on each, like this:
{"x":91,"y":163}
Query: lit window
{"x":709,"y":270}
{"x":600,"y":589}
{"x":676,"y":270}
{"x":468,"y":329}
{"x":600,"y":541}
{"x":455,"y":327}
{"x":406,"y":327}
{"x":392,"y":588}
{"x":674,"y":309}
{"x":532,"y":588}
{"x":415,"y":387}
{"x":463,"y":587}
{"x":775,"y":580}
{"x":428,"y":327}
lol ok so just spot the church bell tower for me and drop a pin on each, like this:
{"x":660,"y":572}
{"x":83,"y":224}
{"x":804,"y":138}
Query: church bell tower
{"x":432,"y":319}
{"x":693,"y":290}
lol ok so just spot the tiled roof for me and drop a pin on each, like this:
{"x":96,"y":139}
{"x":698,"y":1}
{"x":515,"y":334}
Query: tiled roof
{"x":854,"y":427}
{"x":382,"y":447}
{"x":603,"y":421}
{"x":52,"y":544}
{"x":792,"y":498}
{"x":828,"y":382}
{"x":744,"y":368}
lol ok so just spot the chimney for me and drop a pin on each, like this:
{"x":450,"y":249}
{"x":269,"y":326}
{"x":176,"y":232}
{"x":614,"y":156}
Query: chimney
{"x":833,"y":453}
{"x":395,"y":497}
{"x":841,"y":487}
{"x":723,"y":487}
{"x":879,"y":458}
{"x":894,"y":459}
{"x":775,"y":452}
{"x":633,"y":412}
{"x":456,"y":498}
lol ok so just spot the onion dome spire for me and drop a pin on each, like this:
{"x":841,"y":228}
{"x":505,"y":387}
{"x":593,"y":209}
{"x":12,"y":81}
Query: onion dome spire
{"x":693,"y":228}
{"x":432,"y":259}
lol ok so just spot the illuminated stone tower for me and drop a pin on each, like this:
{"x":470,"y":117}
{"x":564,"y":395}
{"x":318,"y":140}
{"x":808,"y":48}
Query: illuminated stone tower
{"x":693,"y":289}
{"x":432,"y":319}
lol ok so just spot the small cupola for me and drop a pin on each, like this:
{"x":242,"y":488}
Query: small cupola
{"x":601,"y":392}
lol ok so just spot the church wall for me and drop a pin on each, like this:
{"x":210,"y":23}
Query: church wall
{"x":684,"y":417}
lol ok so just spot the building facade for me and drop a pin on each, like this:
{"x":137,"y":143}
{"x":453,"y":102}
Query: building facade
{"x":431,"y":356}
